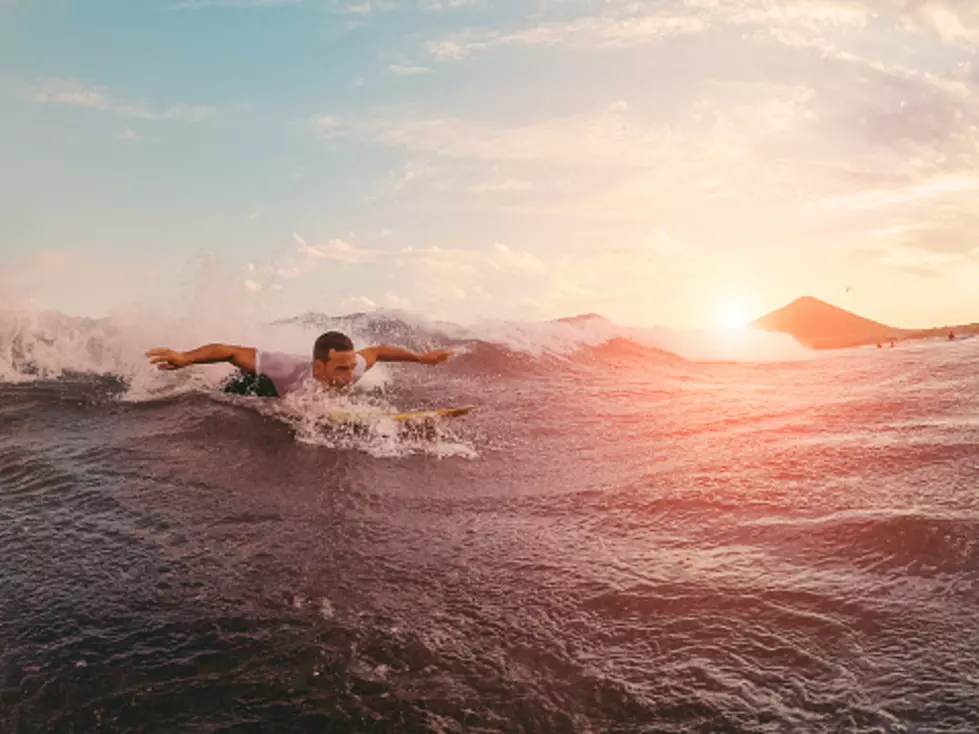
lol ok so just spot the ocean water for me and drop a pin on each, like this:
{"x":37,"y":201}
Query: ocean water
{"x":617,"y":540}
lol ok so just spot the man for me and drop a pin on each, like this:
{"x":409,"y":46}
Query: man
{"x":273,"y":374}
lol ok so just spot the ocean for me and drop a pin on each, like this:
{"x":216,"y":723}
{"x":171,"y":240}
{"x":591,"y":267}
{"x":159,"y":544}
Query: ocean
{"x":618,"y":539}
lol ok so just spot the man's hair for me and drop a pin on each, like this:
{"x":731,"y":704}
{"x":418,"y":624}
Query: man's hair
{"x":331,"y":340}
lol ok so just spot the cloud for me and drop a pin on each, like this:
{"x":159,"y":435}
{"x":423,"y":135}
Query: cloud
{"x":357,"y":303}
{"x":73,"y":92}
{"x":584,"y":137}
{"x":607,"y":138}
{"x":932,"y":188}
{"x":187,"y":113}
{"x":433,"y":5}
{"x":293,"y":266}
{"x":128,"y":134}
{"x":626,"y":24}
{"x":290,"y":271}
{"x":951,"y":22}
{"x":335,"y":250}
{"x":413,"y":173}
{"x":510,"y":184}
{"x":502,"y":257}
{"x":806,"y":150}
{"x":853,"y":133}
{"x":200,"y":4}
{"x":367,"y":7}
{"x":583,"y":33}
{"x":408,"y":69}
{"x":811,"y":15}
{"x":392,"y":300}
{"x":454,"y":274}
{"x":430,"y":275}
{"x":916,"y":261}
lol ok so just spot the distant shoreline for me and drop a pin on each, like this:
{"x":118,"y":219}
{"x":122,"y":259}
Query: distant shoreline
{"x":819,"y":325}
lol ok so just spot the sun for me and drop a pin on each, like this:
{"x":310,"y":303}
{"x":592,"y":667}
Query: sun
{"x":732,"y":316}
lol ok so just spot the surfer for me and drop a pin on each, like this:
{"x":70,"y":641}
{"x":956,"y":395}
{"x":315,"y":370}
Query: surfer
{"x":334,"y":363}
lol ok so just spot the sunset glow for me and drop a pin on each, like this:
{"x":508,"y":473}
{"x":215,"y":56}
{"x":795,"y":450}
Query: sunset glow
{"x":733,"y":316}
{"x":473,"y":160}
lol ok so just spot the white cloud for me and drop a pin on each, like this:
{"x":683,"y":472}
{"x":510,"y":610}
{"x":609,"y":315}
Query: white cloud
{"x":357,"y":303}
{"x":290,"y":271}
{"x":501,"y":257}
{"x":432,"y":5}
{"x":392,"y":300}
{"x":73,"y":92}
{"x":187,"y":113}
{"x":852,"y":127}
{"x":336,"y":250}
{"x":922,"y":263}
{"x":807,"y":14}
{"x":367,"y":7}
{"x":609,"y":138}
{"x":325,"y":125}
{"x":199,"y":4}
{"x":414,"y":173}
{"x":603,"y":139}
{"x":454,"y":274}
{"x":952,"y":22}
{"x":588,"y":32}
{"x":931,"y":188}
{"x":447,"y":50}
{"x":128,"y":134}
{"x":625,"y":24}
{"x":408,"y":69}
{"x":510,"y":184}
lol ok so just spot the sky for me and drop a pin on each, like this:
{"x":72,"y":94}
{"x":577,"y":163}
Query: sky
{"x":674,"y":163}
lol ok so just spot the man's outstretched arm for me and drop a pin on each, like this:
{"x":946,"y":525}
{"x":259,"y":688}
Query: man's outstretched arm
{"x":169,"y":359}
{"x":384,"y":353}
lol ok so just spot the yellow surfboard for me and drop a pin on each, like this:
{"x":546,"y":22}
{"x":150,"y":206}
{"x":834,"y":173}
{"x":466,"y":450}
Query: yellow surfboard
{"x":436,"y":413}
{"x":418,"y":415}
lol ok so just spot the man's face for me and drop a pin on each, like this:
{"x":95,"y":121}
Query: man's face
{"x":338,"y":370}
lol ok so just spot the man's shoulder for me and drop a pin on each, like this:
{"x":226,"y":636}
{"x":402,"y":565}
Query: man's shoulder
{"x":283,"y":355}
{"x":269,"y":360}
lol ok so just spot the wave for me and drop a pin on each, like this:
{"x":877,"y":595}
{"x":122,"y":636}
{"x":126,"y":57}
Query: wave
{"x":36,"y":344}
{"x":909,"y":542}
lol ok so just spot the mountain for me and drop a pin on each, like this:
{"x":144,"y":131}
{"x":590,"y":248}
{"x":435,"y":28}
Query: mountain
{"x":582,"y":319}
{"x":820,"y":325}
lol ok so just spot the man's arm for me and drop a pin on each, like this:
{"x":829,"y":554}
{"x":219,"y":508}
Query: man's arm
{"x":168,"y":359}
{"x":384,"y":353}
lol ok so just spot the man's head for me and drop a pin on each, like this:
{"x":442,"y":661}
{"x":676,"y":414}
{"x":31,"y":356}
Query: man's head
{"x":334,"y":359}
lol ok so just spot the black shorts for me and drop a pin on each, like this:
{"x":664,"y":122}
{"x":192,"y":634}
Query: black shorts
{"x":246,"y":383}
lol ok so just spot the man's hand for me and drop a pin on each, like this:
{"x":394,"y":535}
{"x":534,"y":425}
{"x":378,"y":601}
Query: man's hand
{"x":384,"y":353}
{"x":168,"y":359}
{"x":436,"y":356}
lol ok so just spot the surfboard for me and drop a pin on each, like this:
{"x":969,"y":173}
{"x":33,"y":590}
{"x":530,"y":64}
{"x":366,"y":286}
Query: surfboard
{"x":436,"y":413}
{"x":409,"y":417}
